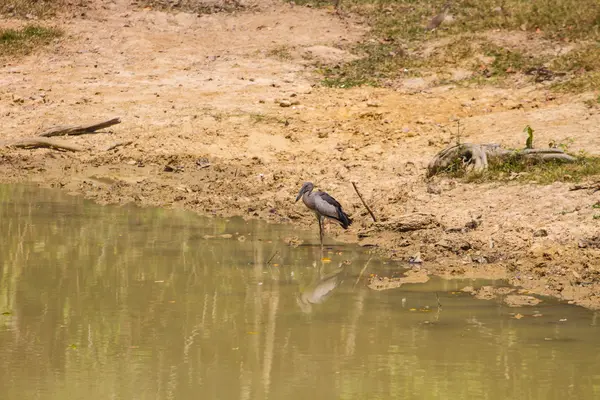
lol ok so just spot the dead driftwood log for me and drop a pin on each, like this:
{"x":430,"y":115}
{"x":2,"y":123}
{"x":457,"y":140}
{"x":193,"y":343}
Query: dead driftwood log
{"x":73,"y":130}
{"x":477,"y":157}
{"x":40,"y":142}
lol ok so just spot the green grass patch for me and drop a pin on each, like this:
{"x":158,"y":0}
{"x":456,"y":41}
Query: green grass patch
{"x":398,"y":40}
{"x":23,"y":41}
{"x":518,"y":169}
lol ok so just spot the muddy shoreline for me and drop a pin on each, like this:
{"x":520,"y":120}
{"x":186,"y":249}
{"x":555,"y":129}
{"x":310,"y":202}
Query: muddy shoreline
{"x":226,"y":129}
{"x":544,"y":267}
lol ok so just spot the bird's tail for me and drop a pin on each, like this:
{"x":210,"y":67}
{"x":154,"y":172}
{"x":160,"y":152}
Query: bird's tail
{"x":344,"y":219}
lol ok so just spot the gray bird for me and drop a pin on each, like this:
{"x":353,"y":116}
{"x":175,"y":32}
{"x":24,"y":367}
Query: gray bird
{"x":438,"y":19}
{"x":324,"y":206}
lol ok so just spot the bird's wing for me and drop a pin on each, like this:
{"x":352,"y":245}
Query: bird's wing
{"x":329,"y":199}
{"x":327,"y":205}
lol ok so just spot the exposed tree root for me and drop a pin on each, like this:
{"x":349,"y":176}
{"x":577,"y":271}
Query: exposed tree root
{"x":477,"y":157}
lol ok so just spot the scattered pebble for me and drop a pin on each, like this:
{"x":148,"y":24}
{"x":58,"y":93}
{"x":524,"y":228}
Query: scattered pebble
{"x":540,"y":233}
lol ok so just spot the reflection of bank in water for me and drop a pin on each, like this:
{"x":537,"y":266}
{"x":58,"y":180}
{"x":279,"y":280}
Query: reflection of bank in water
{"x":319,"y":289}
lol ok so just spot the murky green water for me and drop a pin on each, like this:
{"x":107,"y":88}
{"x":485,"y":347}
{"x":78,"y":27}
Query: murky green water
{"x":128,"y":303}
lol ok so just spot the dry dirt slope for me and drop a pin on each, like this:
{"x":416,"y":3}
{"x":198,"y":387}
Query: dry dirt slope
{"x":203,"y":94}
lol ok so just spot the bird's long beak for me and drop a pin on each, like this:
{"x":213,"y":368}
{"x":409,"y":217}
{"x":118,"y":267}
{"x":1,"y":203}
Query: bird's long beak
{"x":299,"y":195}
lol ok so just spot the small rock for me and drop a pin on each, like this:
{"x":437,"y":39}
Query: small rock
{"x":173,"y":168}
{"x":540,"y":233}
{"x":434,"y":189}
{"x":472,"y":225}
{"x":293,"y":241}
{"x":515,"y":300}
{"x":416,"y":259}
{"x":203,"y":162}
{"x":285,"y":103}
{"x":372,"y":103}
{"x":323,"y":135}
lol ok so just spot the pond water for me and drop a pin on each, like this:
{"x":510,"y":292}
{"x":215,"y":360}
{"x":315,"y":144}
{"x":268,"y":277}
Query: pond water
{"x":106,"y":302}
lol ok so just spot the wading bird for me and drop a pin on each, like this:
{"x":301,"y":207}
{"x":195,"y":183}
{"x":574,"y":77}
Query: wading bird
{"x":324,"y":206}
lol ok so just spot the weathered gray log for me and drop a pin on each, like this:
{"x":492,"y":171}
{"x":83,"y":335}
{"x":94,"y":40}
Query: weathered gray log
{"x":73,"y":130}
{"x":477,"y":157}
{"x":40,"y":142}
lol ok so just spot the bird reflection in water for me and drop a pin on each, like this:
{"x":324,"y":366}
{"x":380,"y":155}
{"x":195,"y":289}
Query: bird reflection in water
{"x":320,"y":289}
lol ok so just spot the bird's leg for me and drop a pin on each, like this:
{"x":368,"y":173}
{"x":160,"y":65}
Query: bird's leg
{"x":320,"y":229}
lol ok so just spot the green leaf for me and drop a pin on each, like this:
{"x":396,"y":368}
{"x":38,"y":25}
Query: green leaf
{"x":529,"y":142}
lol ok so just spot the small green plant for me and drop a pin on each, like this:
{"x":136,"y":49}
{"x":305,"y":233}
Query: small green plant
{"x":529,"y":142}
{"x":596,"y":216}
{"x":596,"y":205}
{"x":458,"y":131}
{"x":591,"y":103}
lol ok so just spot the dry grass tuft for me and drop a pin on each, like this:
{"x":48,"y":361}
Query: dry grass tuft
{"x":31,"y":8}
{"x":195,"y":6}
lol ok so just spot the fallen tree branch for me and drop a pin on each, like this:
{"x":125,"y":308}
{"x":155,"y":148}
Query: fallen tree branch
{"x":73,"y":130}
{"x":477,"y":157}
{"x":40,"y":142}
{"x":595,"y":186}
{"x":364,"y":204}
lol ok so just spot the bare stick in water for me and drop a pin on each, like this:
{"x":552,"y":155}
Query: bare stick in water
{"x":272,"y":257}
{"x":363,"y":201}
{"x":362,"y":271}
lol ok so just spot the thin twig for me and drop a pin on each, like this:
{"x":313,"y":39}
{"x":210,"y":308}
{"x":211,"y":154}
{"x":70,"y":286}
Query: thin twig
{"x":363,"y":201}
{"x":118,"y":144}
